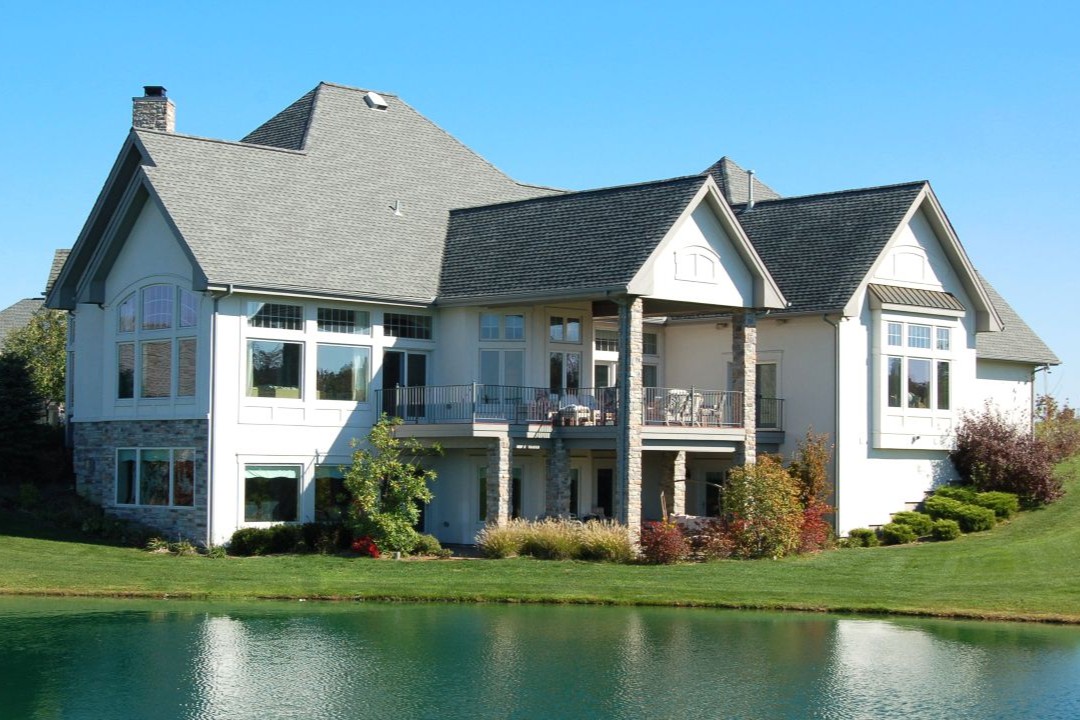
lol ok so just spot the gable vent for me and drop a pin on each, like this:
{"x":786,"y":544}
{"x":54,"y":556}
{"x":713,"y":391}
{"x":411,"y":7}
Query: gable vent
{"x":375,"y":100}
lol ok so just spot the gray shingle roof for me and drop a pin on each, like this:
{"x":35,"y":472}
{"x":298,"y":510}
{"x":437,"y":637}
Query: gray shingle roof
{"x":59,"y":258}
{"x":288,"y":128}
{"x":18,"y":315}
{"x":819,"y":248}
{"x":1017,"y":342}
{"x":579,"y":241}
{"x":732,"y":180}
{"x":322,"y":220}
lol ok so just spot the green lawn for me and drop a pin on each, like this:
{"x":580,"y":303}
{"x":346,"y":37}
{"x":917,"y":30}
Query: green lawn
{"x":1027,"y":569}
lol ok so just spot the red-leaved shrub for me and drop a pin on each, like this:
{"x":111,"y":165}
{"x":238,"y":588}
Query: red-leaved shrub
{"x":816,"y":532}
{"x":366,"y":546}
{"x":663,"y":543}
{"x":993,"y":453}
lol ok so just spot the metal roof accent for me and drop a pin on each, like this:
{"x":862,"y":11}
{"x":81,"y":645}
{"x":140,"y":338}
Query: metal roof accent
{"x":914,"y":297}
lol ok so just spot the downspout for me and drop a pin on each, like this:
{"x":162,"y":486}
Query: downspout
{"x":211,"y":418}
{"x":1035,"y":393}
{"x":836,"y":421}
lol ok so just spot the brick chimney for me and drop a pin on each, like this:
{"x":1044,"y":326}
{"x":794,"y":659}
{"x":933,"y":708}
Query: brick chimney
{"x":153,"y":111}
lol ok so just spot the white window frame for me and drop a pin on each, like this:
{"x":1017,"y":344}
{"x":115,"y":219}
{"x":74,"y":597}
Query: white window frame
{"x":906,"y":352}
{"x":138,"y":470}
{"x":138,"y":336}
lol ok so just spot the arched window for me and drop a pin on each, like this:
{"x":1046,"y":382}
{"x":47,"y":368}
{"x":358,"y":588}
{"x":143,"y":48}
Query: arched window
{"x":156,"y":348}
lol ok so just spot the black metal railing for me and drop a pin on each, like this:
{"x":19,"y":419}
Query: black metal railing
{"x":687,"y":407}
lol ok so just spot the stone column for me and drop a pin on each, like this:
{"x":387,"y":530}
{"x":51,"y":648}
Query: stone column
{"x":628,"y":446}
{"x":557,"y":501}
{"x":499,"y":473}
{"x":674,"y":482}
{"x":744,"y":379}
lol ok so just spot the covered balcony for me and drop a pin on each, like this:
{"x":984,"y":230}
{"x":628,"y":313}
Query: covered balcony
{"x":580,"y":407}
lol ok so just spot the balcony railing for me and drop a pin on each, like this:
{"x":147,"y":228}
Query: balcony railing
{"x":683,"y":407}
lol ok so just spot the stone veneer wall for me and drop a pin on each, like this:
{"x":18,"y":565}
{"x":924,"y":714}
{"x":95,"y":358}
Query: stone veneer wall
{"x":95,"y":470}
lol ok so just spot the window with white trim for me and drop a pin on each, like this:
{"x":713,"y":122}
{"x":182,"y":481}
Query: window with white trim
{"x":507,"y":326}
{"x":564,"y":329}
{"x":155,"y":476}
{"x":271,"y":493}
{"x":916,"y":366}
{"x":156,"y":354}
{"x":405,"y":325}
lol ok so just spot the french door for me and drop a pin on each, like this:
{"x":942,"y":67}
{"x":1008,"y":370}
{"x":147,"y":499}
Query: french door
{"x":404,"y":375}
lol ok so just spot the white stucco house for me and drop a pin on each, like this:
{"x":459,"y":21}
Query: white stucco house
{"x":243,"y":310}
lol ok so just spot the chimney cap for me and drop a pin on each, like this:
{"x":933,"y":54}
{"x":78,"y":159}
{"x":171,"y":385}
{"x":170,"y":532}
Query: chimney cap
{"x":154,"y":91}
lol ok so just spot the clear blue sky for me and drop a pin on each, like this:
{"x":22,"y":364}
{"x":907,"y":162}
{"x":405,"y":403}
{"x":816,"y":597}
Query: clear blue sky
{"x":980,"y":98}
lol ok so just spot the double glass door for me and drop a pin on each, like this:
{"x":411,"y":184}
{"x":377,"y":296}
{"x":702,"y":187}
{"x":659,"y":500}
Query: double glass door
{"x":404,"y":377}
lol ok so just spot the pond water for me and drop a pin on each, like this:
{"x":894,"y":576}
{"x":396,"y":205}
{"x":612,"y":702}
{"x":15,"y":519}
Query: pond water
{"x":64,"y":658}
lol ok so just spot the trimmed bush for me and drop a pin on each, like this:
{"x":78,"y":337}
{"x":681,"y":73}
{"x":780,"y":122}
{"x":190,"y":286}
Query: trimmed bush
{"x":1005,"y":505}
{"x":863,"y":537}
{"x":971,"y":518}
{"x":945,"y":530}
{"x":961,"y":493}
{"x":663,"y":543}
{"x":993,"y":453}
{"x":895,"y":533}
{"x":429,"y":545}
{"x":919,"y":522}
{"x":274,"y":540}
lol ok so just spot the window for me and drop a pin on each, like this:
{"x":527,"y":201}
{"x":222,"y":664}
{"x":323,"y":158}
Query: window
{"x":502,"y":367}
{"x":156,"y":377}
{"x":565,"y":371}
{"x":919,"y":336}
{"x":274,"y":369}
{"x":357,"y":322}
{"x":156,"y":348}
{"x":502,"y":327}
{"x":125,"y":315}
{"x":401,"y":325}
{"x":896,"y":334}
{"x":275,"y":316}
{"x":125,"y":371}
{"x":343,"y":372}
{"x":943,"y":338}
{"x":606,"y":341}
{"x":331,"y":497}
{"x":650,"y":344}
{"x":158,"y":476}
{"x":565,"y":329}
{"x":650,"y":376}
{"x":157,"y":307}
{"x":271,"y":493}
{"x":917,"y":366}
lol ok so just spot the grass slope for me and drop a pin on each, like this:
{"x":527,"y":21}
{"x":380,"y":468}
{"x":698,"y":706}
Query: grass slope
{"x":1024,"y":570}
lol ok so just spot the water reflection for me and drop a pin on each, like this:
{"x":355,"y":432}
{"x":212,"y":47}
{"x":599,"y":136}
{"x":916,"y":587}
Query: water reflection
{"x":115,"y":659}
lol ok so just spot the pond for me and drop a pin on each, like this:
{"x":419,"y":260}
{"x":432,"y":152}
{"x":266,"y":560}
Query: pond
{"x":67,"y":658}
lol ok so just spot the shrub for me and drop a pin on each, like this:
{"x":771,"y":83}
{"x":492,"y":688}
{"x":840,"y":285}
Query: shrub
{"x":815,"y":533}
{"x":1005,"y":505}
{"x":605,"y":540}
{"x":713,"y":541}
{"x":366,"y":546}
{"x":971,"y":518}
{"x":920,"y":523}
{"x":502,"y":541}
{"x":810,"y":468}
{"x":863,"y":537}
{"x":429,"y":545}
{"x":215,"y":552}
{"x":325,"y":538}
{"x":895,"y":533}
{"x":762,"y":501}
{"x":960,"y":493}
{"x":944,"y":529}
{"x":273,"y":540}
{"x":663,"y":543}
{"x":183,"y":547}
{"x":157,"y":545}
{"x":995,"y":454}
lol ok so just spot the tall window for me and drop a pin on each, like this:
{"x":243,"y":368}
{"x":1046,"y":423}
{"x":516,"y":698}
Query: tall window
{"x":157,"y":355}
{"x":565,"y":371}
{"x":155,"y":476}
{"x":916,"y":366}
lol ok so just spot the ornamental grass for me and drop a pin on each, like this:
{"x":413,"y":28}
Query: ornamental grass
{"x":557,"y":539}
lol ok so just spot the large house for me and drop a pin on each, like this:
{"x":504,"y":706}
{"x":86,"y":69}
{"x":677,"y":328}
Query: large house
{"x":243,"y":310}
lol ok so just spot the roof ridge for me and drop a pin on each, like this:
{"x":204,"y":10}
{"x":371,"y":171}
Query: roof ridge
{"x":356,"y":89}
{"x":574,"y":193}
{"x":236,"y":143}
{"x":850,"y":191}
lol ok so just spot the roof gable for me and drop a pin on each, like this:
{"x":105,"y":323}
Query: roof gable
{"x":287,"y":129}
{"x":819,"y":248}
{"x":734,"y":183}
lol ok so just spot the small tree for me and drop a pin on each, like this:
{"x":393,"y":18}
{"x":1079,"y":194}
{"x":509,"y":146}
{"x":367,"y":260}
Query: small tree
{"x":761,"y":505}
{"x":1058,"y":427}
{"x":20,"y":436}
{"x":41,"y":345}
{"x":810,"y":470}
{"x":387,"y":483}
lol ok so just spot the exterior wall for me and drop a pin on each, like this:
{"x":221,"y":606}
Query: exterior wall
{"x":95,"y":446}
{"x":1007,"y":386}
{"x":699,"y":263}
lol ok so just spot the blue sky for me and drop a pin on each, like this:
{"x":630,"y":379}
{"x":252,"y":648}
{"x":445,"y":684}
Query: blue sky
{"x":979,"y":98}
